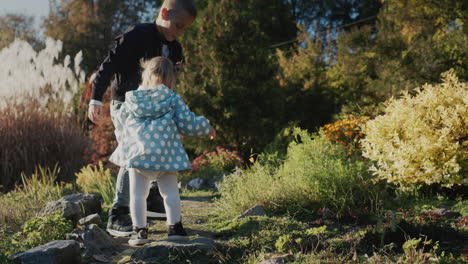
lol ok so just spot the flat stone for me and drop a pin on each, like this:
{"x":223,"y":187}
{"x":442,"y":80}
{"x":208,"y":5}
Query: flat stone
{"x":195,"y":184}
{"x":447,"y":213}
{"x":256,"y":210}
{"x":275,"y":260}
{"x":94,"y":241}
{"x":55,"y":252}
{"x":90,"y":219}
{"x":160,"y":250}
{"x":90,"y":202}
{"x":68,"y":210}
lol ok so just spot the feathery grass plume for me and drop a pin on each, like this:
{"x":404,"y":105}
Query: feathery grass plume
{"x":25,"y":71}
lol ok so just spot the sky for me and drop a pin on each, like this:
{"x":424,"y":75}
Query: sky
{"x":36,"y":8}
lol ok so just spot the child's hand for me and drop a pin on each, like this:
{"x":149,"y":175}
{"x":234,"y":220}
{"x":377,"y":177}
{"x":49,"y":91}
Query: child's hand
{"x":212,"y":133}
{"x":95,"y":113}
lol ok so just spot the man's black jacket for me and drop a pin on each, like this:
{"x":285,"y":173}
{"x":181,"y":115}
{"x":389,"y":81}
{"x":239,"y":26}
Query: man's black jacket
{"x":122,"y":64}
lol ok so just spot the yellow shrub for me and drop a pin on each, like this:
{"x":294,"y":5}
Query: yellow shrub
{"x":422,"y":138}
{"x":97,"y":179}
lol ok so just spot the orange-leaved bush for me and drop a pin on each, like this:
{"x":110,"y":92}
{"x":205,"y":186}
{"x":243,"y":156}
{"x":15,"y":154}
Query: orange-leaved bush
{"x":422,"y":138}
{"x":346,"y":132}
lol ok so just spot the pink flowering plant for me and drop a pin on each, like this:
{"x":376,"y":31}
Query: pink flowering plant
{"x":215,"y":163}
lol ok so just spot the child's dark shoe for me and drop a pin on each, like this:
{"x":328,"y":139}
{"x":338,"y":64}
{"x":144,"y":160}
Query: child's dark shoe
{"x":176,"y":232}
{"x":139,"y":237}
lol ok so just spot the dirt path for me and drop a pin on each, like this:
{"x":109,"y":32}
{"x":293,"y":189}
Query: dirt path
{"x":197,"y":211}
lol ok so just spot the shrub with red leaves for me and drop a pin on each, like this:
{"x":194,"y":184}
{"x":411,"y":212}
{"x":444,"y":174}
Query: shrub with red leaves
{"x":101,"y":135}
{"x":222,"y":159}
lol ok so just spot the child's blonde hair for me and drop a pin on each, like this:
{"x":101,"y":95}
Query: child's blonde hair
{"x":158,"y":70}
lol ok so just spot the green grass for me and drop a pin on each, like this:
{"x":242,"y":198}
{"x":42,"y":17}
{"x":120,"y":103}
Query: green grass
{"x":314,"y":174}
{"x":97,"y":179}
{"x":26,"y":200}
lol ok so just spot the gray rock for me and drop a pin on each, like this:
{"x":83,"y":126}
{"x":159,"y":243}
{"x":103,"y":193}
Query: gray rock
{"x":94,"y":241}
{"x":161,"y":250}
{"x":90,"y":219}
{"x":55,"y":252}
{"x":256,"y":210}
{"x":75,"y":206}
{"x":276,"y":260}
{"x":90,"y":202}
{"x":70,"y":211}
{"x":447,"y":213}
{"x":195,"y":184}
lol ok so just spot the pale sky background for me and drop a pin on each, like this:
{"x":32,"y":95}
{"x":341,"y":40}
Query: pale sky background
{"x":36,"y":8}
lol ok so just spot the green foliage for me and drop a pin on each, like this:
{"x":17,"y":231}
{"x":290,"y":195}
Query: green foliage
{"x":315,"y":174}
{"x":97,"y":179}
{"x":422,"y":139}
{"x":302,"y":241}
{"x":461,"y":207}
{"x":228,"y":78}
{"x":42,"y":184}
{"x":25,"y":201}
{"x":36,"y":231}
{"x":302,"y":77}
{"x":412,"y":43}
{"x":42,"y":229}
{"x":258,"y":234}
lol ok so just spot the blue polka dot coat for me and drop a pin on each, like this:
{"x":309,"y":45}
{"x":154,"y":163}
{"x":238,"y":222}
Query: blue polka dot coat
{"x":147,"y":128}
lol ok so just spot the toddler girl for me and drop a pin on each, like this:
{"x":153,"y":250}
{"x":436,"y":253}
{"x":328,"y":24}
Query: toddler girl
{"x":148,"y":130}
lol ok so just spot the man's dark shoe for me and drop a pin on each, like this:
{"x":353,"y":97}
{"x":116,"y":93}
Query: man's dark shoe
{"x":139,"y":237}
{"x":176,"y":232}
{"x":120,"y":222}
{"x":155,"y":204}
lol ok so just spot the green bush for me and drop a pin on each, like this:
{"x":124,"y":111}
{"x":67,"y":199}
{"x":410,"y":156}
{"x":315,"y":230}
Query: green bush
{"x":422,"y":139}
{"x":315,"y":174}
{"x":42,"y":229}
{"x":97,"y":179}
{"x":36,"y":231}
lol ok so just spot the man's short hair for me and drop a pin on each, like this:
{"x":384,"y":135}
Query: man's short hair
{"x":186,"y":5}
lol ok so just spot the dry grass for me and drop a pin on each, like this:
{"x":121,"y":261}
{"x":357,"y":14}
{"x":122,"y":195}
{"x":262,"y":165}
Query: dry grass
{"x":33,"y":135}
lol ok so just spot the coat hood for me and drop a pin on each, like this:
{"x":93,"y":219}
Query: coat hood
{"x":154,"y":102}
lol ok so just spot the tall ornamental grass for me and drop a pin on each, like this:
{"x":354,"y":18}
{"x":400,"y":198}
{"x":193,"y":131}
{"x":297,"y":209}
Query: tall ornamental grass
{"x":37,"y":124}
{"x":97,"y":179}
{"x":31,"y":136}
{"x":315,"y":174}
{"x":422,"y":138}
{"x":25,"y":71}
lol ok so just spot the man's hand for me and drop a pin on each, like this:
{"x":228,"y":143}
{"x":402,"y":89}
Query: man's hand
{"x":212,"y":133}
{"x":95,"y":113}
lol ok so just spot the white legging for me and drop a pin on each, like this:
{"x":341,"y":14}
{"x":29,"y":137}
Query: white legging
{"x":140,"y":183}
